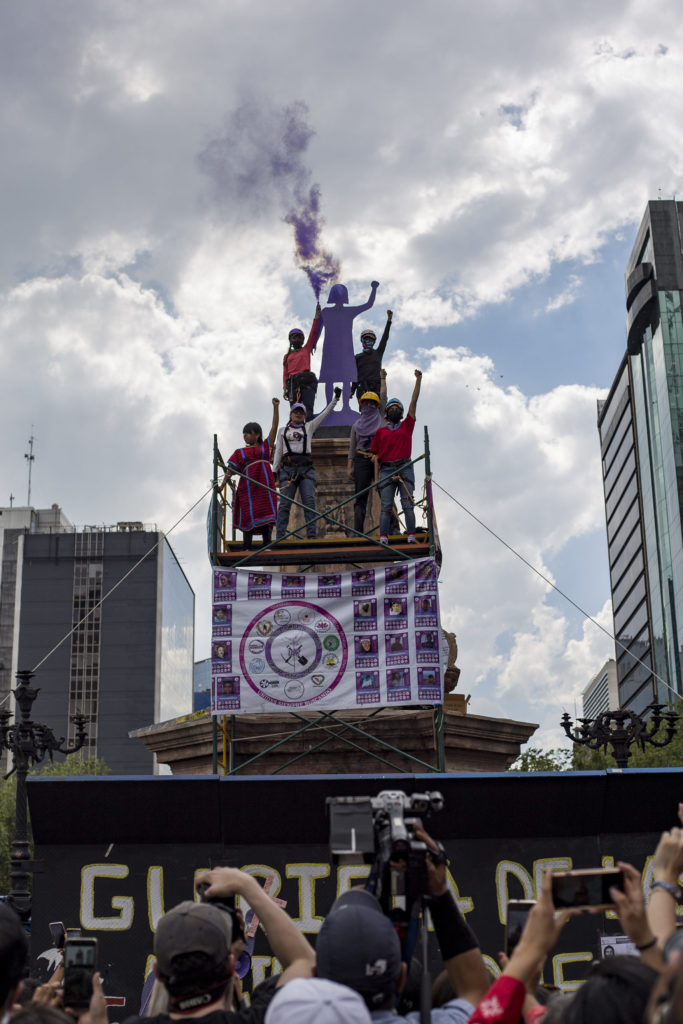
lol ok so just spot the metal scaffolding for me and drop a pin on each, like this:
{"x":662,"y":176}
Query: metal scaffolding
{"x":355,"y":549}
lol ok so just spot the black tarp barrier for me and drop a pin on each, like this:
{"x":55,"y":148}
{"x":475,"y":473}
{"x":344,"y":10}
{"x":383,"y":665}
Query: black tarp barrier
{"x":114,"y":853}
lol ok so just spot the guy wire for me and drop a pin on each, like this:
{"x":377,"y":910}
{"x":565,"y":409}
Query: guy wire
{"x":123,"y":578}
{"x":556,"y":588}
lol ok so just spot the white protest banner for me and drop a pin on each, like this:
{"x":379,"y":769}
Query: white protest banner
{"x":326,"y":640}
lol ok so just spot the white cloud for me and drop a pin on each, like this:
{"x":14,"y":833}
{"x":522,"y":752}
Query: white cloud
{"x":566,"y":297}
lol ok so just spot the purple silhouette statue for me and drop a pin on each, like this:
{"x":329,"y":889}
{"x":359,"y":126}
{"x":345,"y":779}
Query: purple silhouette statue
{"x":339,"y":362}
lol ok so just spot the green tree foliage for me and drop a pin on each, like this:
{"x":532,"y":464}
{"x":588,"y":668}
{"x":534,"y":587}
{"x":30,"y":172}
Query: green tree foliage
{"x":535,"y":759}
{"x":68,"y":768}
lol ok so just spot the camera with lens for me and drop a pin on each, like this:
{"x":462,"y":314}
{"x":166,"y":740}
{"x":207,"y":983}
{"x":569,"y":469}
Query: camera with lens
{"x":380,"y":831}
{"x":227,"y":905}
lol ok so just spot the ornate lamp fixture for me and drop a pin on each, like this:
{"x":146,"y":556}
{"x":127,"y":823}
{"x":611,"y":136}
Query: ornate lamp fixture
{"x":29,"y":743}
{"x":620,"y":730}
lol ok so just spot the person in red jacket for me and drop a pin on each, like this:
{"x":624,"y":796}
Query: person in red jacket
{"x":392,"y":446}
{"x":298,"y":382}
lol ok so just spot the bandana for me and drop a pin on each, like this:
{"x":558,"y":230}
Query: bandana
{"x":367,"y":424}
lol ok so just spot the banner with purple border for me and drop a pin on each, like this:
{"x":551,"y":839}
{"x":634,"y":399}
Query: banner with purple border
{"x":326,"y":640}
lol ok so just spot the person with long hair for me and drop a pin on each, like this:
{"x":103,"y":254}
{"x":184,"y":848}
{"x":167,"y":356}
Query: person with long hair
{"x":254,"y":508}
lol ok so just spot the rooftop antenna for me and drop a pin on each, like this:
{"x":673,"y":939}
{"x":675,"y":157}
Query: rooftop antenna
{"x":29,"y":456}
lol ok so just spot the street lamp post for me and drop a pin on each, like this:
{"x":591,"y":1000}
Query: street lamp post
{"x":28,"y":742}
{"x":621,"y":729}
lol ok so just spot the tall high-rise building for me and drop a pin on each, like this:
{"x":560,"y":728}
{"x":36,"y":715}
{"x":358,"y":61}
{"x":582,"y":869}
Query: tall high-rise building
{"x":105,"y":615}
{"x":641,"y":434}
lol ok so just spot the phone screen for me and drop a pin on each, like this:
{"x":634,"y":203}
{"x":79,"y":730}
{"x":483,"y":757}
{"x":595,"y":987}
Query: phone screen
{"x":80,"y":962}
{"x":517,"y":914}
{"x":58,"y":934}
{"x":586,"y":888}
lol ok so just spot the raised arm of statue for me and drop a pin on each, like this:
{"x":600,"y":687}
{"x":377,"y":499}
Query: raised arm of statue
{"x":355,"y":310}
{"x":338,"y":360}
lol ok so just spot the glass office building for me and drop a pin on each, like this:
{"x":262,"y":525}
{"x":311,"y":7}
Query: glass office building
{"x":641,"y":434}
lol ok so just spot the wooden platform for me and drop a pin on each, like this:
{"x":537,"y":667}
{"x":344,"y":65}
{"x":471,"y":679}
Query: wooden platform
{"x":326,"y":550}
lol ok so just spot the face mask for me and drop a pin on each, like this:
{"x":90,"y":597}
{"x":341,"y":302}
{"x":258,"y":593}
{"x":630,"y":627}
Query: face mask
{"x":367,"y":343}
{"x":394,"y":414}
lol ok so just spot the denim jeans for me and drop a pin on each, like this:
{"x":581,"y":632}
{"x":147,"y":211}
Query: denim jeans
{"x":363,"y":476}
{"x":387,"y":491}
{"x":291,"y":480}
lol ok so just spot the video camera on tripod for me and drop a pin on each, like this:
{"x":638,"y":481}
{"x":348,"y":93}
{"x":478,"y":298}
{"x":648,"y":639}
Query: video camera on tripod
{"x":380,"y":831}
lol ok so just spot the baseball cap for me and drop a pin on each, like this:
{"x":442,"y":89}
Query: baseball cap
{"x":192,"y":928}
{"x":297,"y":405}
{"x":358,"y":946}
{"x":316,"y":1001}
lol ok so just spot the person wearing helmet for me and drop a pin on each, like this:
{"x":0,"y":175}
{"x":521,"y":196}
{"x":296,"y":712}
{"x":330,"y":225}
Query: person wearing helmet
{"x":299,"y":384}
{"x":392,"y":447}
{"x":360,"y":467}
{"x":369,"y":361}
{"x":293,"y":462}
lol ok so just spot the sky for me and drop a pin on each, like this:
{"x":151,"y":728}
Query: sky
{"x":488,"y":164}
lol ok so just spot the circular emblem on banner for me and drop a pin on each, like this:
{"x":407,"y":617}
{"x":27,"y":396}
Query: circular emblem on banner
{"x":295,"y":652}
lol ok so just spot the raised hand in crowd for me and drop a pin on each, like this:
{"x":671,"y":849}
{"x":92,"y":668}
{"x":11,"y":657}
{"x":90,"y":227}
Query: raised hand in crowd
{"x":462,"y":957}
{"x":510,"y":993}
{"x":630,"y":907}
{"x":667,"y":865}
{"x":286,"y":941}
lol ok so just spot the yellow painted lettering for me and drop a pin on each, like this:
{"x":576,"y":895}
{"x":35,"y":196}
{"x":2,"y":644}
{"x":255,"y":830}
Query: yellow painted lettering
{"x":120,"y":922}
{"x":349,"y":875}
{"x":308,"y":920}
{"x":155,"y":895}
{"x":504,"y":869}
{"x":560,"y":961}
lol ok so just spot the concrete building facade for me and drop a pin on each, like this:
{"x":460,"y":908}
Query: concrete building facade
{"x":602,"y":693}
{"x":105,"y":617}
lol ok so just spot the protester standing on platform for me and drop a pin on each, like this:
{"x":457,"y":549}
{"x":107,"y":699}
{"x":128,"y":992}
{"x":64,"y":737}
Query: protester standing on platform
{"x":294,"y":462}
{"x":392,"y":447}
{"x":360,"y":466}
{"x":254,"y":508}
{"x":298,"y":382}
{"x":369,"y":361}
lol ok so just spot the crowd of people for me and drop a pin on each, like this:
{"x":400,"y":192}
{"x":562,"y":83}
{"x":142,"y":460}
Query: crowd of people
{"x":274,"y":473}
{"x":358,"y":973}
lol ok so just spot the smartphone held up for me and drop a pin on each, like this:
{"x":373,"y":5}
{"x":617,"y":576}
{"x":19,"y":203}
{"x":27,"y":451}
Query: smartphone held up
{"x":586,"y":889}
{"x":80,"y":963}
{"x":517,"y":914}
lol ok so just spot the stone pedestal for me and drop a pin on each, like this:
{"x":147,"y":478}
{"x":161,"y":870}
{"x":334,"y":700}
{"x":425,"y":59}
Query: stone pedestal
{"x":473,"y":743}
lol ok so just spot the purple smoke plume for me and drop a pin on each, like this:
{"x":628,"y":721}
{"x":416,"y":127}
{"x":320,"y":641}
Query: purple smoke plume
{"x":259,"y":162}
